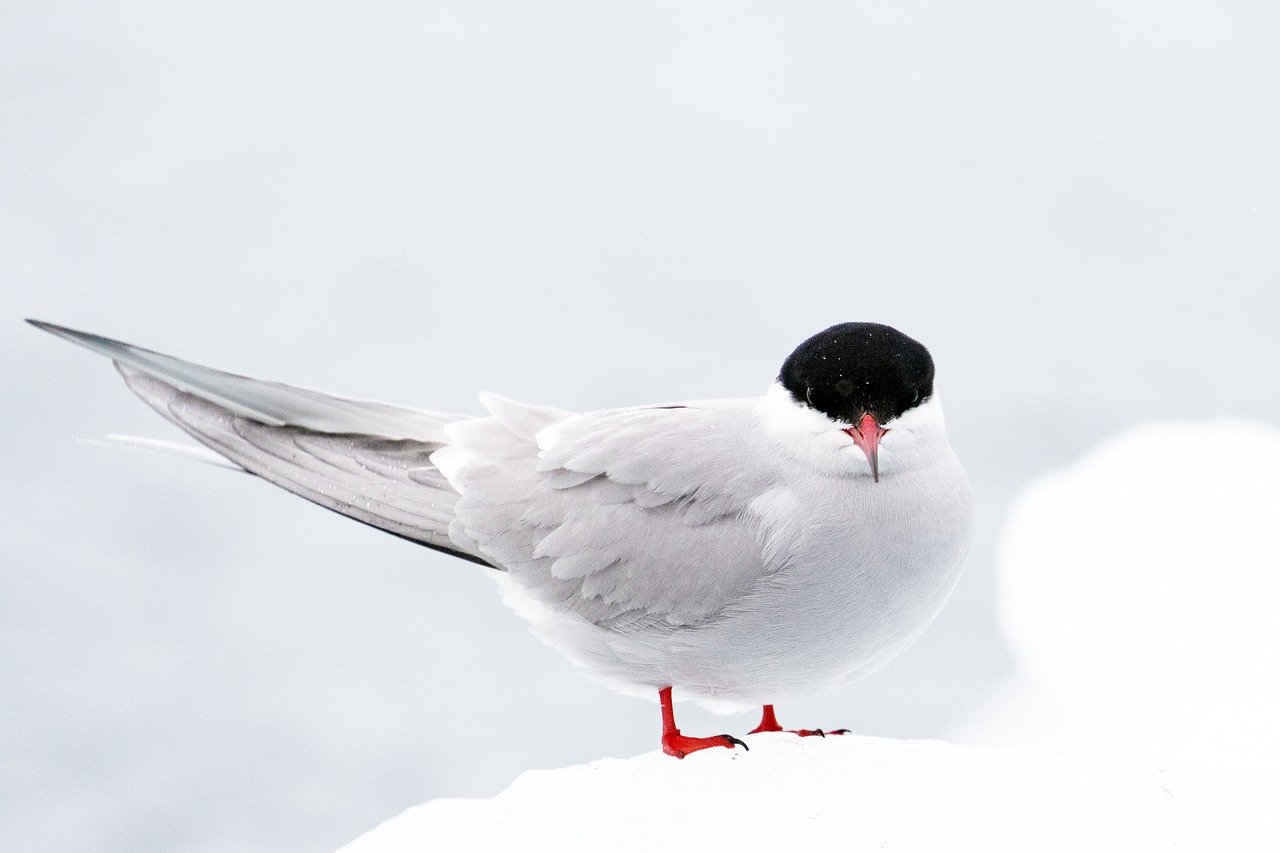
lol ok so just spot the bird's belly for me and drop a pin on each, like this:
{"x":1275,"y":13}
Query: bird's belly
{"x":862,"y":587}
{"x":843,"y":606}
{"x":808,"y":637}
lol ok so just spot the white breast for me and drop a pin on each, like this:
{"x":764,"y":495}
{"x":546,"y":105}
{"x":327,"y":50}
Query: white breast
{"x":740,"y":556}
{"x":872,"y":568}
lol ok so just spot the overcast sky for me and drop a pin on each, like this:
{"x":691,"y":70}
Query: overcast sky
{"x":1075,"y":206}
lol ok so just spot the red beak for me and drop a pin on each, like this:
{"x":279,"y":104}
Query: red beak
{"x":867,"y":436}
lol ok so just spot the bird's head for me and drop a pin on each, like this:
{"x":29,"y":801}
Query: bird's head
{"x":860,"y":397}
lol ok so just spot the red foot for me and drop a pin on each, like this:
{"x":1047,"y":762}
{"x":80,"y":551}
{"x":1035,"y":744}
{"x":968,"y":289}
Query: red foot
{"x":674,"y":743}
{"x":769,"y":723}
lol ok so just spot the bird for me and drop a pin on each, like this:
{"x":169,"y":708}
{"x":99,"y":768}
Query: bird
{"x":738,"y":552}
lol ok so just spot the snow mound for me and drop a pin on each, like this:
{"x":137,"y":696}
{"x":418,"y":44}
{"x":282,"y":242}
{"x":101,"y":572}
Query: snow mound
{"x":861,"y":793}
{"x":1138,"y":589}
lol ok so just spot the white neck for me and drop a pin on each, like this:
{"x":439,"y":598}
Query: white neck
{"x":915,"y":440}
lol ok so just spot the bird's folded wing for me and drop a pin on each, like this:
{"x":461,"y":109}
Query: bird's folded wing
{"x":638,"y":515}
{"x":366,"y":460}
{"x":270,"y":403}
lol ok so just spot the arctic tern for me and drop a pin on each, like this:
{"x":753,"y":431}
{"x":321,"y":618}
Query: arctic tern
{"x":741,"y":552}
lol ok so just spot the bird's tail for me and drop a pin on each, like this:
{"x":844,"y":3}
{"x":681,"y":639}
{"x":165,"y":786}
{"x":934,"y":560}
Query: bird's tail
{"x":366,"y":460}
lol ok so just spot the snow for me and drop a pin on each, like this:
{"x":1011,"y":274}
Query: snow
{"x":1137,"y":589}
{"x":861,"y":793}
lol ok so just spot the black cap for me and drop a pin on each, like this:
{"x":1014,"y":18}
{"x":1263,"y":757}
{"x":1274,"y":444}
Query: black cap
{"x":855,"y":369}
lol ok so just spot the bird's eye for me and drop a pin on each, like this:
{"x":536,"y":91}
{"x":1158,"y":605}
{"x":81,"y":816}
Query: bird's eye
{"x":808,"y":395}
{"x":915,"y":397}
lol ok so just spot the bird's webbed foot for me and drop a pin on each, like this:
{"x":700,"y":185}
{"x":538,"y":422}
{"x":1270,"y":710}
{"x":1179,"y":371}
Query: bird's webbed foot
{"x":674,"y":743}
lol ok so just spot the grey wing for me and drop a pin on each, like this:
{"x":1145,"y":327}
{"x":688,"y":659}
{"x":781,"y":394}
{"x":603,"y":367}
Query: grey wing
{"x":270,"y":403}
{"x":366,"y":460}
{"x":649,"y":514}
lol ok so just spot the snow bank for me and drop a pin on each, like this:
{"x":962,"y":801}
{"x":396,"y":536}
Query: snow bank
{"x":1138,"y":589}
{"x":858,"y":793}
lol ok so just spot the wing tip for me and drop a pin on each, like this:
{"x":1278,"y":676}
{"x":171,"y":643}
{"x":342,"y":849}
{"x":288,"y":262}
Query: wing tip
{"x":84,"y":339}
{"x":45,"y":326}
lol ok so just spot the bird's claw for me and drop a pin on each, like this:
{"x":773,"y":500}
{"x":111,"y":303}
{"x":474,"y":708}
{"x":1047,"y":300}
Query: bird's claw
{"x":678,"y":745}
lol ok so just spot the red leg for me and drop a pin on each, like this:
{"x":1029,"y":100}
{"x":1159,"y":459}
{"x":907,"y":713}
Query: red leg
{"x":769,"y":723}
{"x":674,"y":743}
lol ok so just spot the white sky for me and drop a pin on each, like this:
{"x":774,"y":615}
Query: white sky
{"x":1074,"y":205}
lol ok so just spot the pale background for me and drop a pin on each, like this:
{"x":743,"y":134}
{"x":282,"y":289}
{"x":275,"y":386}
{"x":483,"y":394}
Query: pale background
{"x":1076,"y":206}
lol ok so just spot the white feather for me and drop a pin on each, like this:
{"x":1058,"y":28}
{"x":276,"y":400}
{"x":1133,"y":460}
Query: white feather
{"x":190,"y":452}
